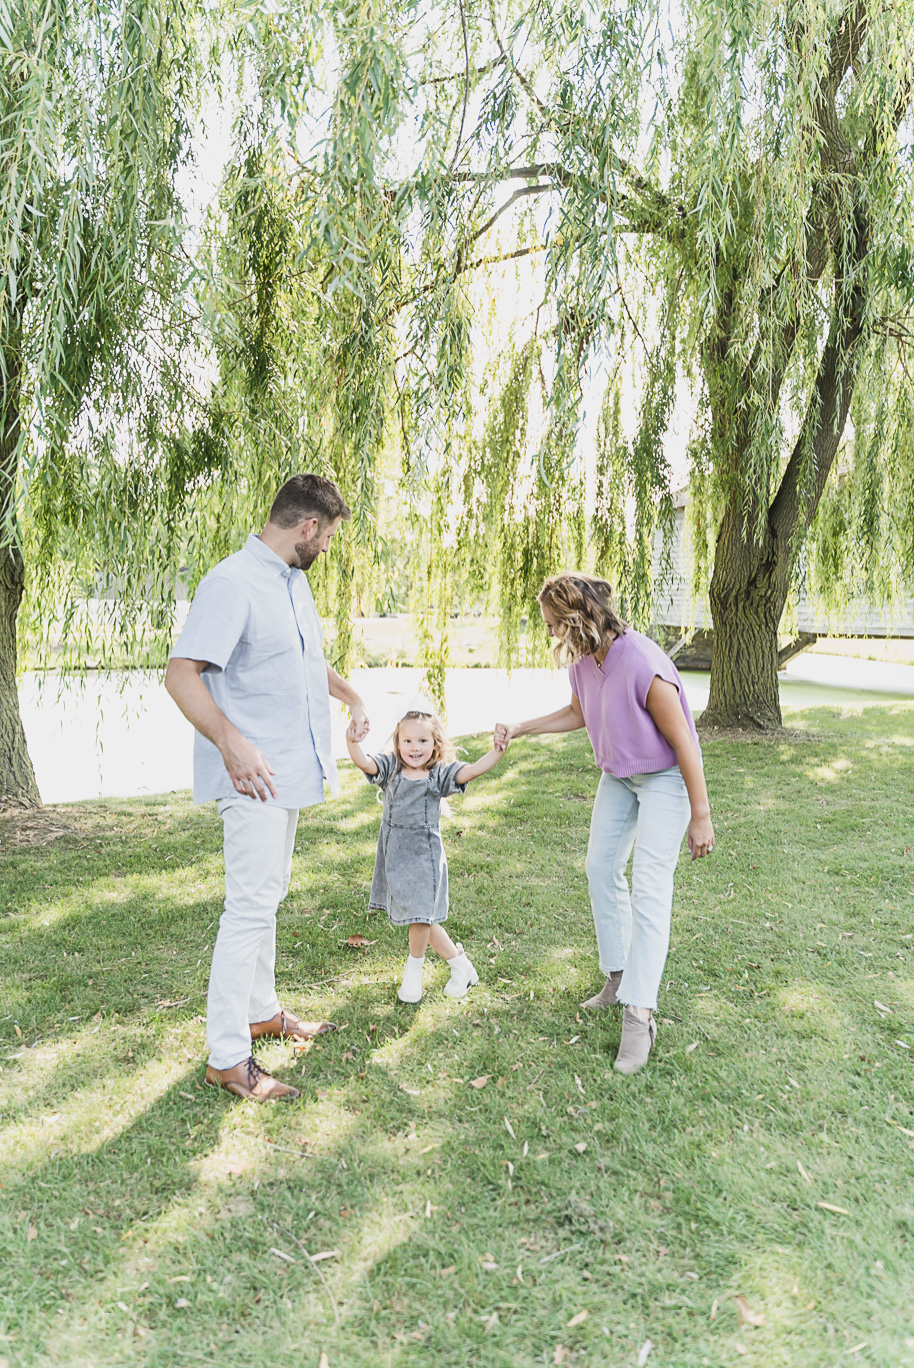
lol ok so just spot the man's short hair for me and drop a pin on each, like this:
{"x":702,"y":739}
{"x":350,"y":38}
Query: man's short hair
{"x":308,"y":496}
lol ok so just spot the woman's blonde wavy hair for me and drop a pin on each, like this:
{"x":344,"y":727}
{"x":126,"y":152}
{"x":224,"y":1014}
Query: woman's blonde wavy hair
{"x":444,"y":748}
{"x":583,"y":610}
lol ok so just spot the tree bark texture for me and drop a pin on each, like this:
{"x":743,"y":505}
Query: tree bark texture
{"x":17,"y":778}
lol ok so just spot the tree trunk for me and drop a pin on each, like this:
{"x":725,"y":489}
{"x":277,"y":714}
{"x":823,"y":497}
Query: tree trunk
{"x":748,"y":591}
{"x":17,"y":778}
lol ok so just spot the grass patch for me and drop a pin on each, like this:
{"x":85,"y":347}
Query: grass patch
{"x":766,"y":1153}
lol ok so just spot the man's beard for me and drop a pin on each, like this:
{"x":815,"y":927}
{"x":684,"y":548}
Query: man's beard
{"x":307,"y":552}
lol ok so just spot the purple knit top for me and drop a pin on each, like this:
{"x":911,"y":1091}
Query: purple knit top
{"x":613,"y":698}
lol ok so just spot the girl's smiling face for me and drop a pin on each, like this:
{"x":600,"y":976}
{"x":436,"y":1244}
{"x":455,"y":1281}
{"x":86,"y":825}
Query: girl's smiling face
{"x":417,"y":744}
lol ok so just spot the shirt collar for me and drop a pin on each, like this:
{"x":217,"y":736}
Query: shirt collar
{"x":269,"y":558}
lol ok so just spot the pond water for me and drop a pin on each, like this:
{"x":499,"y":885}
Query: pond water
{"x":123,"y":736}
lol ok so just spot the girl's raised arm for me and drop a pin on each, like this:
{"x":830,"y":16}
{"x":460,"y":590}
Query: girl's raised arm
{"x":478,"y":767}
{"x":356,"y":754}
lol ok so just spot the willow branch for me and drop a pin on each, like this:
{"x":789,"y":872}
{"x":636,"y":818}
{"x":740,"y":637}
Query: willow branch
{"x":503,"y":209}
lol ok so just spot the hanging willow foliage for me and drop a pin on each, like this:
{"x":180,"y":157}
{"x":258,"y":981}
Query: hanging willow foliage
{"x":445,"y":240}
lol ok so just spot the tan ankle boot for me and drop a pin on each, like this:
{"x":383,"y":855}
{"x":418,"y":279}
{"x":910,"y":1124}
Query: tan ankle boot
{"x":608,"y":994}
{"x":637,"y":1042}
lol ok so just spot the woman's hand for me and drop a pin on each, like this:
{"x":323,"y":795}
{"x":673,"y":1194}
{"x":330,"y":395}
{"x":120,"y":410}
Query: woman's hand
{"x":701,"y":837}
{"x":502,"y":735}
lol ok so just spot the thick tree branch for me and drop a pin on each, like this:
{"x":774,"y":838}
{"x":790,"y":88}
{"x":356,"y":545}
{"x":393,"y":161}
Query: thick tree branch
{"x":804,"y":480}
{"x":847,"y":40}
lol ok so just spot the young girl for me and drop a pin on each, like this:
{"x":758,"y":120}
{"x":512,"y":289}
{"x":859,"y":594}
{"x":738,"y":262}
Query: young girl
{"x":410,"y":873}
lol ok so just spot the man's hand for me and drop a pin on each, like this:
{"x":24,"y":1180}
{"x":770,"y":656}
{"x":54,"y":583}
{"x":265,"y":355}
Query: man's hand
{"x":248,"y":770}
{"x":359,"y":727}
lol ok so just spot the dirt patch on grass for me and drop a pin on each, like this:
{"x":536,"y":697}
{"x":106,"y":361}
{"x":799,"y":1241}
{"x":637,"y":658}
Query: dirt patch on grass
{"x":21,"y":827}
{"x":751,"y":737}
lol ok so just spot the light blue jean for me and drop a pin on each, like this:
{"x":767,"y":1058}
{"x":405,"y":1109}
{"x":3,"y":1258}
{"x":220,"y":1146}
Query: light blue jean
{"x":647,"y":813}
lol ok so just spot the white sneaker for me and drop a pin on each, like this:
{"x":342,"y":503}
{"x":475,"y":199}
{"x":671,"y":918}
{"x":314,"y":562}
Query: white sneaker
{"x":410,"y":989}
{"x":463,"y":975}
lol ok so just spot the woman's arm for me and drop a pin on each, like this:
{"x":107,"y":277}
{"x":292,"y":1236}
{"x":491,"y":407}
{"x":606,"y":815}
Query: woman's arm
{"x":356,"y":754}
{"x":665,"y":708}
{"x":566,"y":719}
{"x":478,"y":767}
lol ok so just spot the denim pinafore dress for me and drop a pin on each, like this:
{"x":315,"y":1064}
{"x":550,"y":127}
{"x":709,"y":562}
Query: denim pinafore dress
{"x":410,"y":873}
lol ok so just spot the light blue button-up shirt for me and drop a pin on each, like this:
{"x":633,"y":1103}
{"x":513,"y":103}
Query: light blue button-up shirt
{"x":254,"y":622}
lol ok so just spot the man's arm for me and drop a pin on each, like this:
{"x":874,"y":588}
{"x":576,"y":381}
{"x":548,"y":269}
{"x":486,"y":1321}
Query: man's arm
{"x":342,"y":690}
{"x":248,"y":770}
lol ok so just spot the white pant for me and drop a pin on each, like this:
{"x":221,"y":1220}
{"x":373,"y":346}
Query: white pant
{"x":258,"y":839}
{"x":648,"y":813}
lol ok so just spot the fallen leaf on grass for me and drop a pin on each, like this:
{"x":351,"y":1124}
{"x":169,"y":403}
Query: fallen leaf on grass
{"x":693,"y":1046}
{"x":827,"y":1206}
{"x":32,"y":1233}
{"x":324,"y":1362}
{"x":746,"y":1315}
{"x":17,"y":1030}
{"x":281,"y":1254}
{"x":855,"y":1349}
{"x":740,"y":1348}
{"x":644,"y":1353}
{"x":802,"y":1172}
{"x":579,"y":1319}
{"x":881,"y":1006}
{"x":413,"y":1092}
{"x":97,"y":1017}
{"x":446,"y":1272}
{"x":346,"y":1056}
{"x":324,"y":1254}
{"x":480,"y":1082}
{"x":581,"y":1146}
{"x":491,"y":1322}
{"x":561,"y":1354}
{"x":509,"y":1128}
{"x":182,"y":1303}
{"x":358,"y":942}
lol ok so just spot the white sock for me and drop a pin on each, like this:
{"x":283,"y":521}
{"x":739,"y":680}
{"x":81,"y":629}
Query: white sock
{"x":413,"y":969}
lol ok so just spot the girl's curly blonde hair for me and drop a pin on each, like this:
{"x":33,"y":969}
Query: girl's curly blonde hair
{"x":443,"y":749}
{"x":584,"y":615}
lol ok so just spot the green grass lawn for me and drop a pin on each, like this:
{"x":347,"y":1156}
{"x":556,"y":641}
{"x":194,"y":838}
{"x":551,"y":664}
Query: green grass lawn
{"x":557,"y":1214}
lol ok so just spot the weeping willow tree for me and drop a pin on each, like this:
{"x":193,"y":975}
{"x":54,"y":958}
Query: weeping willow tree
{"x":473,"y":261}
{"x":492,"y":219}
{"x":94,"y":389}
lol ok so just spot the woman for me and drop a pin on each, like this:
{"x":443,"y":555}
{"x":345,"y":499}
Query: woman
{"x":629,"y":696}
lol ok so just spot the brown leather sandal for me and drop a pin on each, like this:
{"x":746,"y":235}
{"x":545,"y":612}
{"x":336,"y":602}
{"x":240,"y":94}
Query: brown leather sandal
{"x":286,"y":1026}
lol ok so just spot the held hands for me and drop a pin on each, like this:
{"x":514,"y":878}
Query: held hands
{"x":502,"y":736}
{"x":701,"y":837}
{"x":359,"y":727}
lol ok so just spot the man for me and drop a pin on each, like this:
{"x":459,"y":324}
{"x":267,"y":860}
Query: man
{"x":249,"y":673}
